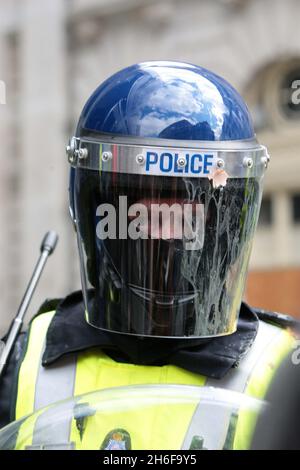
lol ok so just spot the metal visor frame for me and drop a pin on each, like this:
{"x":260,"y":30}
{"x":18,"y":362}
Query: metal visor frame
{"x":193,"y":159}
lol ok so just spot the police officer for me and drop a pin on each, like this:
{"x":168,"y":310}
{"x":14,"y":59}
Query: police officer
{"x":172,"y":146}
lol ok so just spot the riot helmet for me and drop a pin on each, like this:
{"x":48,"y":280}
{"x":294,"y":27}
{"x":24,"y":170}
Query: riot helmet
{"x":165,"y":190}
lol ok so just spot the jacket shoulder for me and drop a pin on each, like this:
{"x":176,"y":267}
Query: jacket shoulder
{"x":278,"y":319}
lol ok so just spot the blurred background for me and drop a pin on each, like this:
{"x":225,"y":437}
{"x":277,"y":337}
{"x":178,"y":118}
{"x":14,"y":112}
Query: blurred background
{"x":53,"y":54}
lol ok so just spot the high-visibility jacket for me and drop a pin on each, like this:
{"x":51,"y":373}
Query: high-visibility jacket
{"x":79,"y":373}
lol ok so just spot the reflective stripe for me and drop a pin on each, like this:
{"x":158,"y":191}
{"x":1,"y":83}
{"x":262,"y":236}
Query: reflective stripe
{"x":25,"y":432}
{"x":30,"y":366}
{"x":214,"y":421}
{"x":258,"y":385}
{"x":217,"y":424}
{"x":38,"y":386}
{"x":62,"y":373}
{"x":47,"y":392}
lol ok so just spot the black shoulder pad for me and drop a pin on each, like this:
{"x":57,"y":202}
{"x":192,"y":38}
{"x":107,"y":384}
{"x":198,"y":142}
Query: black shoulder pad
{"x":280,"y":319}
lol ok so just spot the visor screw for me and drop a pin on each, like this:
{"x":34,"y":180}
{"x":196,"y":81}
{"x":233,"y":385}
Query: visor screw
{"x":140,"y":159}
{"x":69,"y":150}
{"x":181,"y":162}
{"x":71,"y":158}
{"x":82,"y":154}
{"x":265,"y":161}
{"x":248,"y":162}
{"x":106,"y":156}
{"x":220,"y":163}
{"x":70,"y":153}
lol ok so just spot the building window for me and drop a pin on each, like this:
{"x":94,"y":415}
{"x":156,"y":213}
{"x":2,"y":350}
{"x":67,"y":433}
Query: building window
{"x":296,"y":208}
{"x":266,"y":212}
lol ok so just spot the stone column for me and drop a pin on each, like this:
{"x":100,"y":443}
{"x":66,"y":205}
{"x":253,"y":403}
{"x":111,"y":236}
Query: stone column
{"x":44,"y":166}
{"x":8,"y":248}
{"x":282,"y":229}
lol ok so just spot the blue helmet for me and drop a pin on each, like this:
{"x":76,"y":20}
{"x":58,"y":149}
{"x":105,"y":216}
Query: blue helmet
{"x":169,"y":100}
{"x":165,"y":189}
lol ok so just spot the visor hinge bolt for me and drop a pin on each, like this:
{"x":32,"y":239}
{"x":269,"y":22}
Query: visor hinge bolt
{"x":106,"y":156}
{"x":82,"y":154}
{"x":220,"y":163}
{"x":140,"y":159}
{"x":248,"y":162}
{"x":181,"y":162}
{"x":71,"y":149}
{"x":70,"y":154}
{"x":265,"y":161}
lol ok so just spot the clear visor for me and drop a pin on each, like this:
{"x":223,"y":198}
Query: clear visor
{"x":165,"y":236}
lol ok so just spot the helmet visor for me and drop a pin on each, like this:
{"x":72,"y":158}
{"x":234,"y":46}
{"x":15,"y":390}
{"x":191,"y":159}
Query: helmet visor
{"x":165,"y":255}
